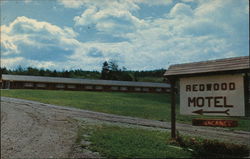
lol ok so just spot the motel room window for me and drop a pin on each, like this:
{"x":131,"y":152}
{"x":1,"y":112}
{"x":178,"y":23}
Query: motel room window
{"x":88,"y":87}
{"x":28,"y":84}
{"x":158,"y":89}
{"x":137,"y":89}
{"x":99,"y":87}
{"x":123,"y":88}
{"x":71,"y":86}
{"x":60,"y":86}
{"x":114,"y":88}
{"x":41,"y":85}
{"x":145,"y":89}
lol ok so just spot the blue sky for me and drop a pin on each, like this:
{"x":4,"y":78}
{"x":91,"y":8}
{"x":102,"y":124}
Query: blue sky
{"x":138,"y":34}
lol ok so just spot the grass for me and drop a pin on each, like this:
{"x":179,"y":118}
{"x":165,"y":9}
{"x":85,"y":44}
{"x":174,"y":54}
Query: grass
{"x":143,"y":105}
{"x":121,"y":142}
{"x":117,"y":142}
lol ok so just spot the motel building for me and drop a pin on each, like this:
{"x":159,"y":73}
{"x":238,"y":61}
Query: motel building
{"x":58,"y":83}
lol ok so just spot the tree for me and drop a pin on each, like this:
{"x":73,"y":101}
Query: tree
{"x":113,"y":66}
{"x":41,"y":72}
{"x":3,"y":71}
{"x":105,"y":70}
{"x":32,"y":71}
{"x":111,"y":71}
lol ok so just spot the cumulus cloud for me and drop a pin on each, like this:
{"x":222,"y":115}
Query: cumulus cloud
{"x":129,"y":4}
{"x":110,"y":16}
{"x":26,"y":32}
{"x":20,"y":61}
{"x":27,"y":1}
{"x":181,"y":9}
{"x":29,"y":42}
{"x":184,"y":33}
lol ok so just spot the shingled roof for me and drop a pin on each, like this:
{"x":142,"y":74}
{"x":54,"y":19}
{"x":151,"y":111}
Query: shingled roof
{"x":236,"y":64}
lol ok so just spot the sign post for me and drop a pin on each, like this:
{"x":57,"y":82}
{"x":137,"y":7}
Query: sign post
{"x":173,"y":107}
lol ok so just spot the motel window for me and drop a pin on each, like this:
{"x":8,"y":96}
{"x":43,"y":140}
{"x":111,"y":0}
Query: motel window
{"x":114,"y":88}
{"x":168,"y":90}
{"x":145,"y":89}
{"x":137,"y":89}
{"x":158,"y":89}
{"x":59,"y":85}
{"x":123,"y":88}
{"x":88,"y":87}
{"x":99,"y":87}
{"x":71,"y":86}
{"x":28,"y":84}
{"x":41,"y":85}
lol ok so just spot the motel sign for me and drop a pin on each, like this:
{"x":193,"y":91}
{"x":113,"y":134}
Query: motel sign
{"x":220,"y":95}
{"x":216,"y":87}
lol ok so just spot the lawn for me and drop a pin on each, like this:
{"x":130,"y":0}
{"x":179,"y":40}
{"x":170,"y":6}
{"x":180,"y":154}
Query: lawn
{"x":117,"y":142}
{"x":143,"y":105}
{"x":124,"y":142}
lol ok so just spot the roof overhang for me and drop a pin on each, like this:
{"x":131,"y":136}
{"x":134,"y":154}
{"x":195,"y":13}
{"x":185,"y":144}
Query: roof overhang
{"x":220,"y":66}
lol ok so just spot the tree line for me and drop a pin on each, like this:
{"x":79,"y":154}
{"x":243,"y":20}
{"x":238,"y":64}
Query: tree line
{"x":110,"y":71}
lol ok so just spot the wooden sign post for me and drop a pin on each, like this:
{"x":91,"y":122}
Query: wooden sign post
{"x":173,"y":108}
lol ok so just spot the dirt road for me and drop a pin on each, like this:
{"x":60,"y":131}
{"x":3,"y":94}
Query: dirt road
{"x":35,"y":130}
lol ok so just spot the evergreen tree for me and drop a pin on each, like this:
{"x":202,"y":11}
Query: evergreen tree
{"x":105,"y":70}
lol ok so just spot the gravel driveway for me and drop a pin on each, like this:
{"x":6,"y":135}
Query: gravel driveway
{"x":36,"y":130}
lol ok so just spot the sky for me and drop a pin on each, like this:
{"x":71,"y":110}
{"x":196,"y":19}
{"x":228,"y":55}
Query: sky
{"x":137,"y":34}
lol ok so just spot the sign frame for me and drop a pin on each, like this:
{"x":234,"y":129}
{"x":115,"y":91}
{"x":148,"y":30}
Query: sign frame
{"x":215,"y":95}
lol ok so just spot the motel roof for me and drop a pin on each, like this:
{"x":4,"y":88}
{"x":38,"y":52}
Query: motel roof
{"x":228,"y":65}
{"x":81,"y":81}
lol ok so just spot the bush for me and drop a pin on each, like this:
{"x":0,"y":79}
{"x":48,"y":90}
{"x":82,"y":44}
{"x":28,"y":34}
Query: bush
{"x":222,"y":149}
{"x":212,"y":148}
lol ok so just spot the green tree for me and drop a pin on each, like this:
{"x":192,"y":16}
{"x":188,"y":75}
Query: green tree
{"x":105,"y":70}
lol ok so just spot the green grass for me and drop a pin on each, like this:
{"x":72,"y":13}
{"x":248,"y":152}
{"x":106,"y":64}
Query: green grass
{"x":117,"y":142}
{"x":143,"y":105}
{"x":121,"y":142}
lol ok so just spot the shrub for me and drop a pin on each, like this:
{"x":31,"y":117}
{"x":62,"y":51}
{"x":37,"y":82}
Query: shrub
{"x":212,"y":148}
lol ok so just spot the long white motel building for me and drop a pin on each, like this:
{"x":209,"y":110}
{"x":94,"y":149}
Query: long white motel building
{"x":58,"y":83}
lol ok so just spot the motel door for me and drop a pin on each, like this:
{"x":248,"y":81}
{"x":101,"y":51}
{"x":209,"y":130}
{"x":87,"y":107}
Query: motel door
{"x":7,"y":85}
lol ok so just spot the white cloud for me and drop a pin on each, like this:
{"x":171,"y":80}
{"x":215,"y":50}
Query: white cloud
{"x":128,"y":4}
{"x":110,"y":17}
{"x":29,"y":31}
{"x":27,"y":1}
{"x":207,"y":30}
{"x":20,"y":61}
{"x":71,"y":3}
{"x":181,"y":9}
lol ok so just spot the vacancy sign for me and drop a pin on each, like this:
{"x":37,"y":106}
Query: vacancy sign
{"x":220,"y":95}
